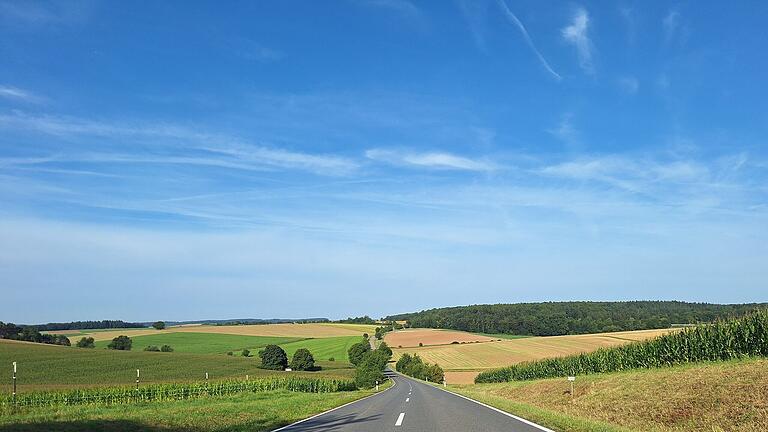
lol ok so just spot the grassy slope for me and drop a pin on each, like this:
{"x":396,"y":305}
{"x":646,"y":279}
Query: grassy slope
{"x":325,"y":348}
{"x":203,"y":343}
{"x":244,"y":412}
{"x":48,"y":366}
{"x":727,"y":396}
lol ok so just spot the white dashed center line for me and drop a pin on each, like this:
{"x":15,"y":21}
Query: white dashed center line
{"x":400,"y":419}
{"x":407,"y":399}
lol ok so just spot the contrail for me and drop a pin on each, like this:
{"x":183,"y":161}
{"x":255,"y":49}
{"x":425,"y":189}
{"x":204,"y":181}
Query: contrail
{"x":514,"y":20}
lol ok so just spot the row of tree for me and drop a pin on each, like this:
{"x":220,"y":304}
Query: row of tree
{"x":560,"y":318}
{"x":273,"y":357}
{"x":357,"y":320}
{"x":416,"y":367}
{"x":369,"y":363}
{"x":30,"y":334}
{"x":80,"y":325}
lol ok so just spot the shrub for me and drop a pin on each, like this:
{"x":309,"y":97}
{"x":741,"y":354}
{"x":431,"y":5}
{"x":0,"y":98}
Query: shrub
{"x":421,"y":344}
{"x":723,"y":340}
{"x":246,"y":353}
{"x":331,"y":359}
{"x":152,"y":348}
{"x":365,"y":335}
{"x":303,"y":360}
{"x":357,"y":351}
{"x":273,"y":357}
{"x":86,"y":342}
{"x":159,"y":325}
{"x":121,"y":343}
{"x":166,"y":348}
{"x":230,"y":353}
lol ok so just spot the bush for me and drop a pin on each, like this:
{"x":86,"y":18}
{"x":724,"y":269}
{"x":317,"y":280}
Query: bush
{"x":723,"y":340}
{"x":152,"y":348}
{"x":357,"y":351}
{"x":166,"y":348}
{"x":273,"y":357}
{"x":331,"y":359}
{"x":86,"y":342}
{"x":303,"y":360}
{"x":365,"y":335}
{"x":230,"y":353}
{"x":121,"y":343}
{"x":159,"y":325}
{"x":421,"y":344}
{"x":246,"y":353}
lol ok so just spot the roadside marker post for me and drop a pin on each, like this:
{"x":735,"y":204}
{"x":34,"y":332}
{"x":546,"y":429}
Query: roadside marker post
{"x":14,"y":384}
{"x":377,"y":385}
{"x":444,"y":384}
{"x":206,"y":376}
{"x":571,"y":379}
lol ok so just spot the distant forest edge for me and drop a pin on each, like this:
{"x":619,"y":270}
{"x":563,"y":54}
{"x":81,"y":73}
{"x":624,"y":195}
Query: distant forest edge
{"x":561,"y":318}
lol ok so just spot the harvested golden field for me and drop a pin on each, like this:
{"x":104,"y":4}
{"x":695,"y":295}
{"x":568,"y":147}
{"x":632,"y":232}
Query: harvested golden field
{"x":314,"y":330}
{"x":478,"y":356}
{"x":722,"y":396}
{"x":412,"y":337}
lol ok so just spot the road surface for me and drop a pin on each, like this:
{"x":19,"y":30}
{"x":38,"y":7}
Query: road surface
{"x":411,"y":405}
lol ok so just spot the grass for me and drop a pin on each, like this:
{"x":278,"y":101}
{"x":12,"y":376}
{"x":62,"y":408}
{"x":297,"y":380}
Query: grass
{"x":718,"y":396}
{"x":57,"y":367}
{"x":203,"y":343}
{"x":243,"y":412}
{"x":325,"y":348}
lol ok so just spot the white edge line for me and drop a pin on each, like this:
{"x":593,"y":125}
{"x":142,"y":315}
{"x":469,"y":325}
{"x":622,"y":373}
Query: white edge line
{"x":334,"y":409}
{"x":528,"y":422}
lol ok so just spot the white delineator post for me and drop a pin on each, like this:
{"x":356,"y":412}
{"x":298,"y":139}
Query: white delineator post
{"x":14,"y":383}
{"x":137,"y":379}
{"x":377,"y":385}
{"x":571,"y":379}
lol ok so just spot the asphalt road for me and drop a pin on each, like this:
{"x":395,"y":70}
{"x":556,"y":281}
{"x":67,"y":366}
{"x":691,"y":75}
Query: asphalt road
{"x":411,"y":405}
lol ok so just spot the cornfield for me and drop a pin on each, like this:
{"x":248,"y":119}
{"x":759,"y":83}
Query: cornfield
{"x":723,"y":340}
{"x":165,"y":392}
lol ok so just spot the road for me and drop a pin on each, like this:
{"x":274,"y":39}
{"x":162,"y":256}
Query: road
{"x":411,"y":405}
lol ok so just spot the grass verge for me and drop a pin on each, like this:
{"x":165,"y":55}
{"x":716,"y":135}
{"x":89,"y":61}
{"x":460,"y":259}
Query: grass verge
{"x":721,"y":396}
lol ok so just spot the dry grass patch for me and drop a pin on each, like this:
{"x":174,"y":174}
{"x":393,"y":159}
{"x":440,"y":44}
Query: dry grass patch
{"x":727,"y":396}
{"x":412,"y":338}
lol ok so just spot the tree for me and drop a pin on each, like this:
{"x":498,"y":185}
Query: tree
{"x":121,"y":343}
{"x":384,"y":348}
{"x":365,"y":335}
{"x":357,"y":351}
{"x":370,"y":370}
{"x":166,"y":348}
{"x":159,"y":325}
{"x":303,"y":360}
{"x":246,"y":353}
{"x":273,"y":357}
{"x":86,"y":342}
{"x":152,"y":348}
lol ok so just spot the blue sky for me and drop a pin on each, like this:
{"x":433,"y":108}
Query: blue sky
{"x":187,"y":160}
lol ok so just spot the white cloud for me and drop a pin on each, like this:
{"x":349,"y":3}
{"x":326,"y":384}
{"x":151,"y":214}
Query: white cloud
{"x":172,"y":143}
{"x":513,"y":19}
{"x":15,"y":93}
{"x":629,"y":84}
{"x":577,"y":35}
{"x":430,"y":159}
{"x":565,"y":130}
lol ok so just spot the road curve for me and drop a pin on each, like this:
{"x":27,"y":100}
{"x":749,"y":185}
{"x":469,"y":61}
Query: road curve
{"x":411,"y":406}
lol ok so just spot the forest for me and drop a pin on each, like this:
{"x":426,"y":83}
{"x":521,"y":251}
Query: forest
{"x":561,"y":318}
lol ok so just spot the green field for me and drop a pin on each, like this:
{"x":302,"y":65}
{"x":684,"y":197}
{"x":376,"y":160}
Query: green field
{"x":56,"y":367}
{"x":203,"y":343}
{"x":325,"y":348}
{"x":243,"y":412}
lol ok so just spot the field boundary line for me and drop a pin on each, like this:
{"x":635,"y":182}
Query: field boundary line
{"x":334,"y":409}
{"x":520,"y":419}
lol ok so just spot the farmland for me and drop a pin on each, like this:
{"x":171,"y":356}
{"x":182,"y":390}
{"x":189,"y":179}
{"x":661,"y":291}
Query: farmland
{"x":302,"y":331}
{"x":324,"y":349}
{"x":57,"y":367}
{"x":242,"y":412}
{"x":413,"y":337}
{"x":478,"y":356}
{"x":203,"y":343}
{"x":719,"y":396}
